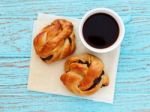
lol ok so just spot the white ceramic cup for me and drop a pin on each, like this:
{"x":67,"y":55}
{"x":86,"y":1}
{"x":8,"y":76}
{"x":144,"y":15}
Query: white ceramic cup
{"x":118,"y":20}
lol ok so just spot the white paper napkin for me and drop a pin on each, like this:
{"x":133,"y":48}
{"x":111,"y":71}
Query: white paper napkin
{"x":46,"y":77}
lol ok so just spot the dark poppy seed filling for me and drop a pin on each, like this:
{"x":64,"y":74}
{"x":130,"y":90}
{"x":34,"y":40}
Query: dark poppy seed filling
{"x":47,"y":58}
{"x":96,"y":81}
{"x":84,"y":62}
{"x":70,"y":41}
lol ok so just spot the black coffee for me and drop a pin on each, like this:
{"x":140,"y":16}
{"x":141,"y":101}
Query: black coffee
{"x":100,"y":30}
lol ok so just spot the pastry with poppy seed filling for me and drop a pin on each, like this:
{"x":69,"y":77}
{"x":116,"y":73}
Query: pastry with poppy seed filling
{"x":56,"y":41}
{"x":84,"y":74}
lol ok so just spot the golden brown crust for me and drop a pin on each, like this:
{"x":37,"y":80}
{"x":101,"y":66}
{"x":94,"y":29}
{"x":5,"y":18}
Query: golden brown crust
{"x":56,"y":41}
{"x":84,"y":74}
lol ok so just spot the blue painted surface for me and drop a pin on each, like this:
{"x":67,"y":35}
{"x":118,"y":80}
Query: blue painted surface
{"x":133,"y":77}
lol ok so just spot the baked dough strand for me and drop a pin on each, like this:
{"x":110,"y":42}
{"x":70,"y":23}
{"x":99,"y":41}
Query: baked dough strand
{"x":56,"y":41}
{"x":84,"y":74}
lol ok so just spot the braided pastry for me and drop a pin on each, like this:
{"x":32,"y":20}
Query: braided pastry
{"x":56,"y":41}
{"x":84,"y":74}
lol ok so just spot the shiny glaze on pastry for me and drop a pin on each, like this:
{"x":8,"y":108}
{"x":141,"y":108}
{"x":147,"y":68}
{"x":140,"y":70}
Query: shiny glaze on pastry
{"x":84,"y":74}
{"x":56,"y":41}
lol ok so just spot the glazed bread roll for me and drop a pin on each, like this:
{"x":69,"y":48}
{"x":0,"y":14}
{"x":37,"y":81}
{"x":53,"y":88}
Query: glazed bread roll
{"x":84,"y":74}
{"x":56,"y":41}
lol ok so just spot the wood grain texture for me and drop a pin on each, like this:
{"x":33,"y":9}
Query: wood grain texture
{"x":133,"y":78}
{"x":14,"y":74}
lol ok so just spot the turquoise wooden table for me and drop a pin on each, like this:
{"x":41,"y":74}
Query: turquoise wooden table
{"x":133,"y":77}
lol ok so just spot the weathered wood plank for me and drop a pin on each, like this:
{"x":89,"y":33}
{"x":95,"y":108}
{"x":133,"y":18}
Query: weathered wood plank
{"x":132,"y":78}
{"x":66,"y":7}
{"x":71,"y":7}
{"x":16,"y":37}
{"x":16,"y":24}
{"x":47,"y":103}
